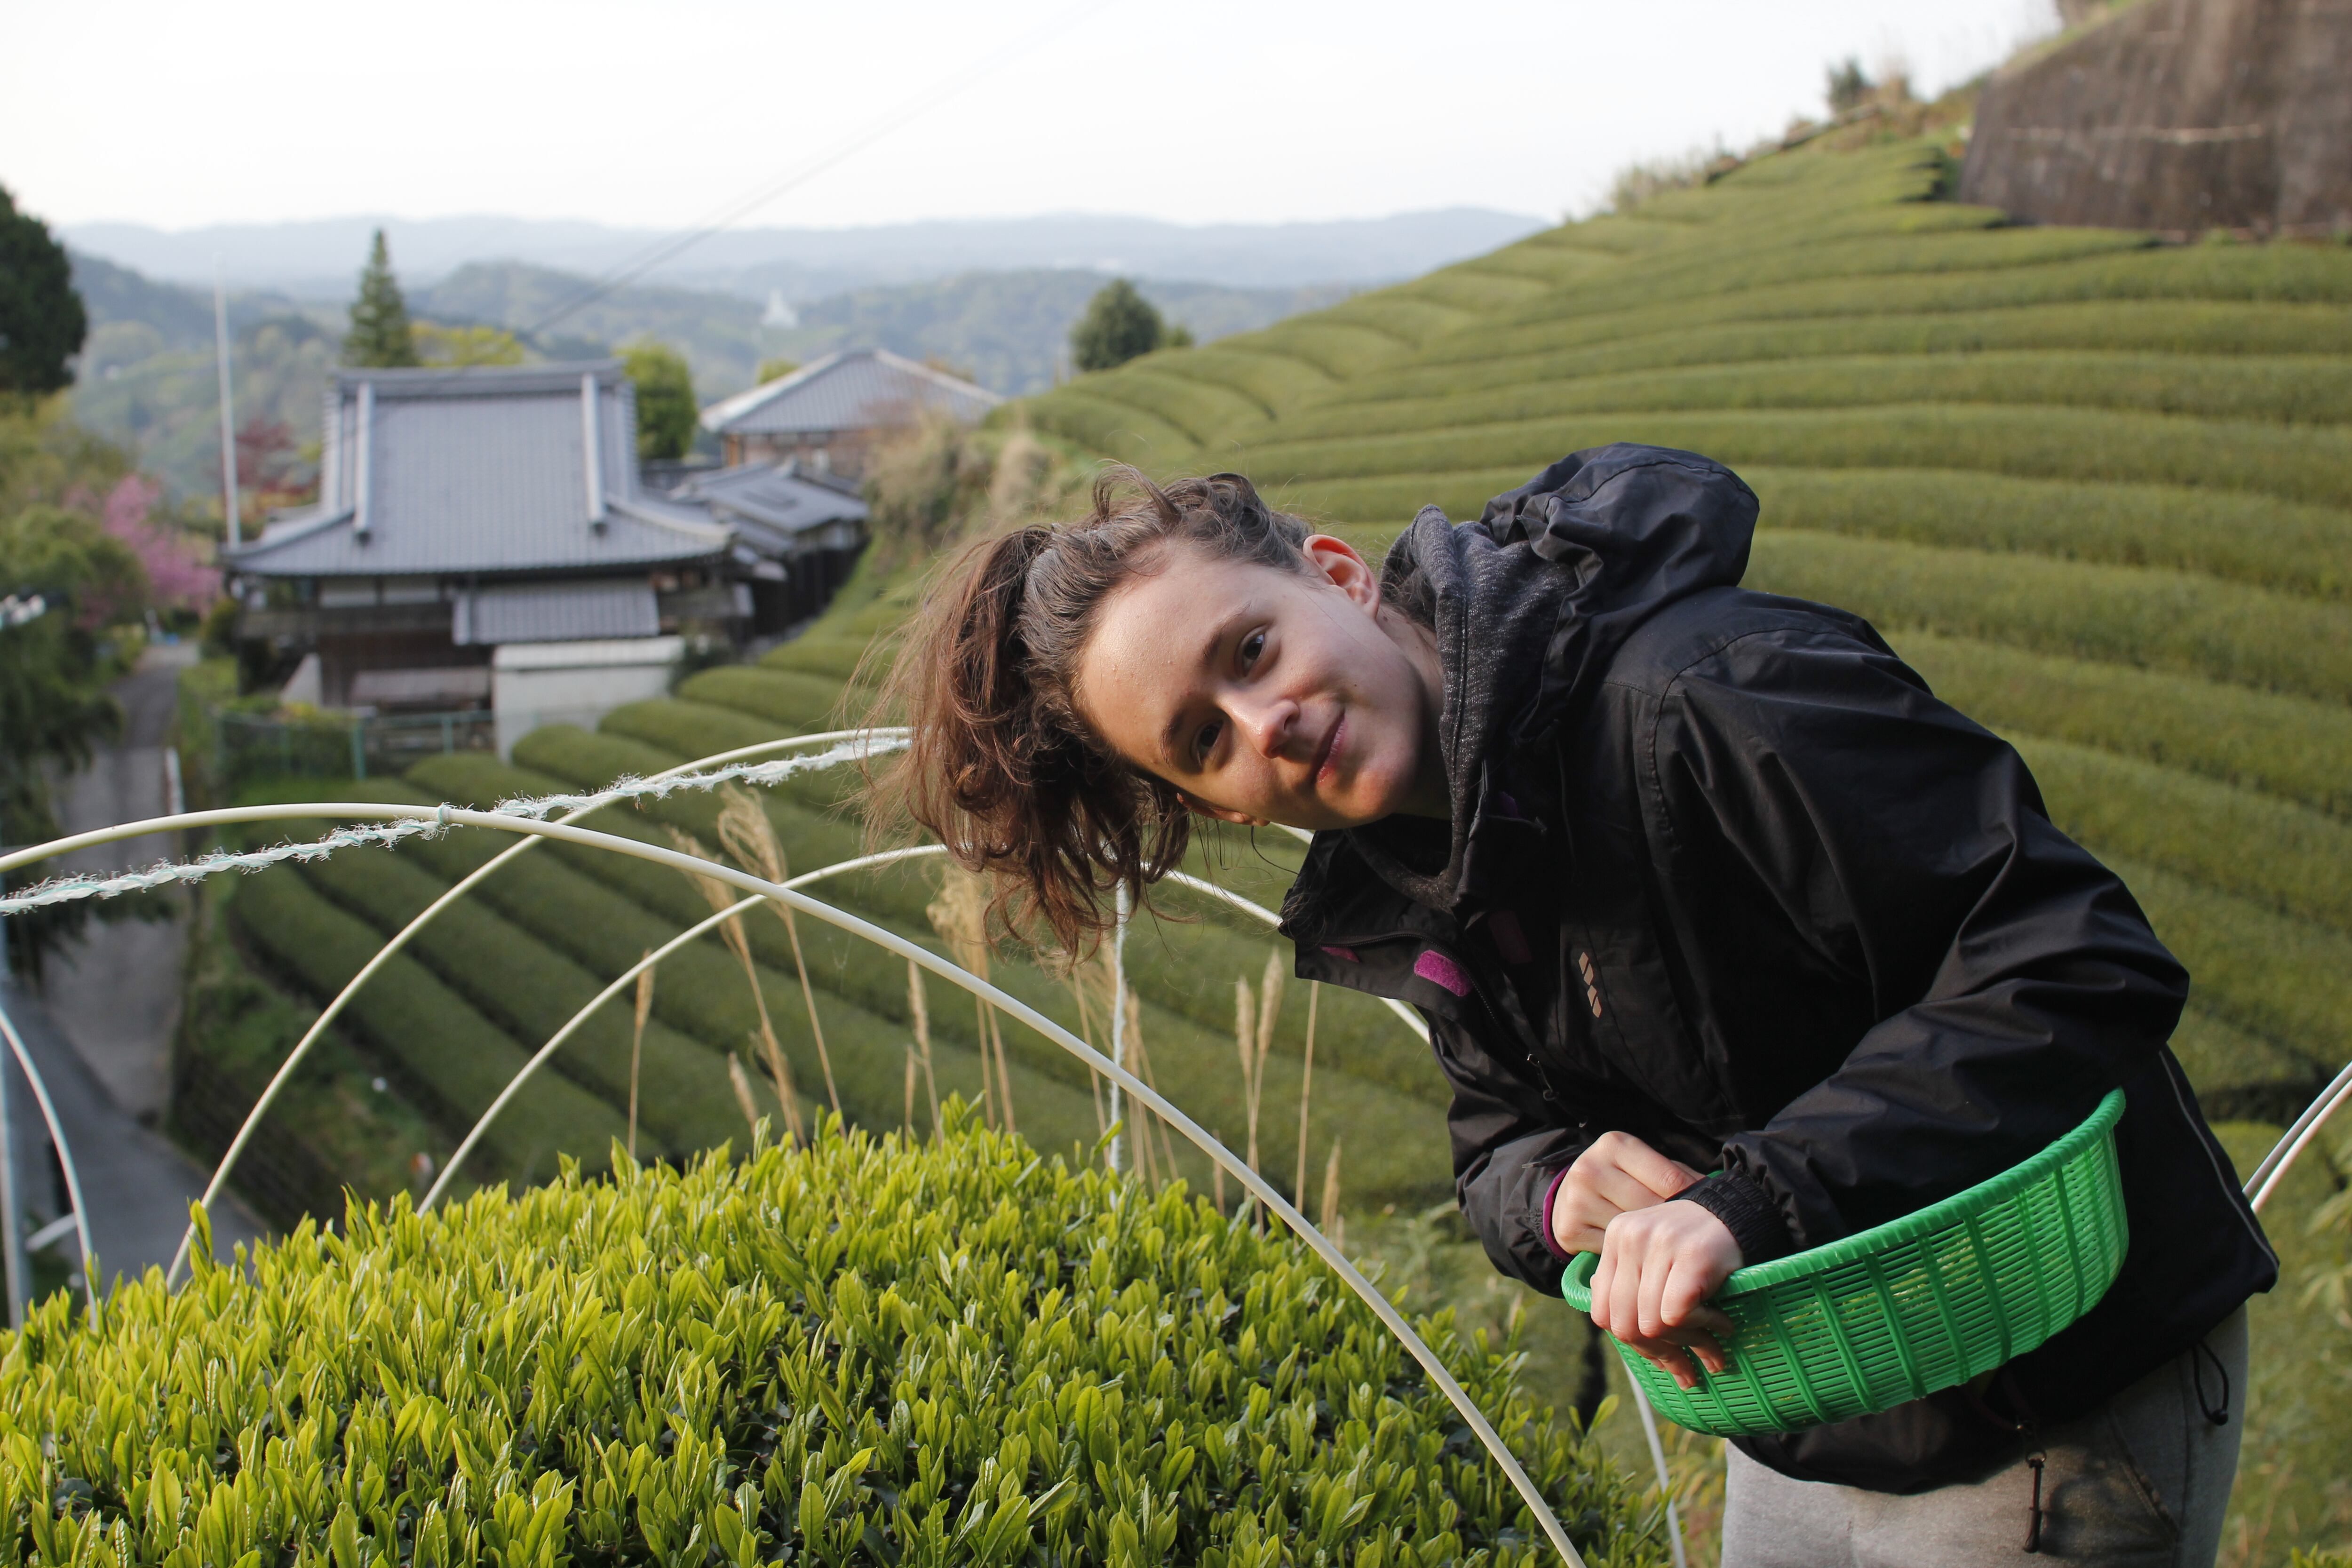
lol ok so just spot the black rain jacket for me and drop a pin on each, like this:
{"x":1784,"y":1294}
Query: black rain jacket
{"x":1723,"y":874}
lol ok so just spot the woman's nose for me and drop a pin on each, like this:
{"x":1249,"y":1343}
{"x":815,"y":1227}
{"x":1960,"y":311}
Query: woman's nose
{"x":1270,"y":725}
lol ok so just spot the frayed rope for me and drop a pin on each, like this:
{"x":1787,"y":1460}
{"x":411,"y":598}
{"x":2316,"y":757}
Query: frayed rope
{"x":164,"y":873}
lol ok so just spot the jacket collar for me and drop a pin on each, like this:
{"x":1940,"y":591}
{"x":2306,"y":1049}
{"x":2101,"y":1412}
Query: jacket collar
{"x":1528,"y":605}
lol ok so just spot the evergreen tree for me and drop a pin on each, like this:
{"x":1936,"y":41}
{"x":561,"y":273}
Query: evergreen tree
{"x":667,"y":411}
{"x":42,"y":323}
{"x":1120,"y":324}
{"x":380,"y":335}
{"x":1849,"y":86}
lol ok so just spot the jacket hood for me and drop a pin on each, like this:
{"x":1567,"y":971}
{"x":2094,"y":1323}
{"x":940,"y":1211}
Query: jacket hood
{"x":1529,"y":604}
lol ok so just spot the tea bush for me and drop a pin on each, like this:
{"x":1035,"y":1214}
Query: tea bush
{"x":2206,"y":327}
{"x":2291,"y":747}
{"x":2293,"y":462}
{"x":2268,"y":275}
{"x":530,"y":991}
{"x":860,"y":1352}
{"x":1197,"y":409}
{"x":835,"y":657}
{"x":1268,"y":378}
{"x":2270,"y":973}
{"x":700,"y":992}
{"x":2179,"y":620}
{"x":2297,"y":860}
{"x":2283,"y":387}
{"x":2231,"y":535}
{"x":792,"y":696}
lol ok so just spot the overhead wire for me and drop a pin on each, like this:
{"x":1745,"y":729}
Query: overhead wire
{"x":727,"y":213}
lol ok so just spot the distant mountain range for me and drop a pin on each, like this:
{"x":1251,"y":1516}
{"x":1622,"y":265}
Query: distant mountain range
{"x":319,"y":259}
{"x":147,"y":378}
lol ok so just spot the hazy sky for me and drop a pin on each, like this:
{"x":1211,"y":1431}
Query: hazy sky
{"x":251,"y":110}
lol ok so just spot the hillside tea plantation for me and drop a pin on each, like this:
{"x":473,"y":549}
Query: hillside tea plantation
{"x":856,"y":1352}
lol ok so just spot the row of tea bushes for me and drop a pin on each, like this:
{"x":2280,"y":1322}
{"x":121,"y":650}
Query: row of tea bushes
{"x":2293,"y":748}
{"x":1373,"y":1079}
{"x":858,"y":1353}
{"x":448,"y":1054}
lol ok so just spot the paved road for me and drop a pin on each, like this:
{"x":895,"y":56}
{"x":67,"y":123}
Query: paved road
{"x":137,"y":1186}
{"x":115,"y":990}
{"x":100,"y":1030}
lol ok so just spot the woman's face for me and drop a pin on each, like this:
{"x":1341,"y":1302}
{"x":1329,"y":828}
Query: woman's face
{"x":1269,"y":696}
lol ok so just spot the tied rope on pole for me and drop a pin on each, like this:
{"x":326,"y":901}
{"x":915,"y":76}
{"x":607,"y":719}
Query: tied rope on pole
{"x":165,"y":873}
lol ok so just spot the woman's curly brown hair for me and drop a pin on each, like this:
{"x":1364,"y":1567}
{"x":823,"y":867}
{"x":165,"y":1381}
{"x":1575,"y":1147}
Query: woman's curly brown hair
{"x":1001,"y":767}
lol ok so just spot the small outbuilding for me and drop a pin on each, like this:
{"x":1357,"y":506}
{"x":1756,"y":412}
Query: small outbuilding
{"x":826,"y":415}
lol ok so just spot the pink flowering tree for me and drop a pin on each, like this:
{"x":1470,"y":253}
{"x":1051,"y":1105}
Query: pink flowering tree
{"x":177,"y":576}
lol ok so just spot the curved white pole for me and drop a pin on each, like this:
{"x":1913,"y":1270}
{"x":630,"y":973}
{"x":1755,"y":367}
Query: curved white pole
{"x":1414,"y":1021}
{"x":2281,"y":1158}
{"x":398,"y":941}
{"x":1252,"y":1183}
{"x":1411,"y":1020}
{"x":65,"y":1159}
{"x":620,"y":983}
{"x":2291,"y":1137}
{"x":1122,"y":907}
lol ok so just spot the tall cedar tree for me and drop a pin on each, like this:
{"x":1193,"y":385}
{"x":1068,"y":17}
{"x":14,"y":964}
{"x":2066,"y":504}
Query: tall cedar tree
{"x":1120,"y":324}
{"x":42,"y":323}
{"x":667,"y":411}
{"x":380,"y":336}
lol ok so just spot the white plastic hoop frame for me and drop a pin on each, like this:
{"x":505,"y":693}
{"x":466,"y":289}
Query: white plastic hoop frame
{"x":790,"y":896}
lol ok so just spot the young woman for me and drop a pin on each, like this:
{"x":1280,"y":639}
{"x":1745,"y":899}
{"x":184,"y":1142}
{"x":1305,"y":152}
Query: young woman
{"x":1685,"y":879}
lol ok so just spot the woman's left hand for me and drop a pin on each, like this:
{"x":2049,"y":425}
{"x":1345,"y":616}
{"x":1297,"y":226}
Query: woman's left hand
{"x":1658,"y":1267}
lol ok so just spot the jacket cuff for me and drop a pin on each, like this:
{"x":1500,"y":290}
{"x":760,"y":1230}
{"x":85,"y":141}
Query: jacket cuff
{"x":1746,"y":1211}
{"x":1543,"y":1215}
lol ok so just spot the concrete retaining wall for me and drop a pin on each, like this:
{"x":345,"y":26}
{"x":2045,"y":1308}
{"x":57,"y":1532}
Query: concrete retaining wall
{"x":2179,"y":116}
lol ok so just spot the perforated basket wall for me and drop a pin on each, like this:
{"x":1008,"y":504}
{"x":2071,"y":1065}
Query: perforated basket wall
{"x":1915,"y":1305}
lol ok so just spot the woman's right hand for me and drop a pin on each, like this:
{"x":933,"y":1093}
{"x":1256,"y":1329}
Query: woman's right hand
{"x":1618,"y":1174}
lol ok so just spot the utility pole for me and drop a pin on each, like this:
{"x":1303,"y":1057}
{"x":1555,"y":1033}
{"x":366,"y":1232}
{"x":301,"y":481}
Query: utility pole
{"x":227,"y":410}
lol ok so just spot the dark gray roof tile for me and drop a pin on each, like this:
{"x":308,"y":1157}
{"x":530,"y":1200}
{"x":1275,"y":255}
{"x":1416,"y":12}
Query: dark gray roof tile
{"x":480,"y":470}
{"x":860,"y":389}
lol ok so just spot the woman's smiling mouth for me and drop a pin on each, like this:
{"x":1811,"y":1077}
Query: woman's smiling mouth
{"x":1326,"y":759}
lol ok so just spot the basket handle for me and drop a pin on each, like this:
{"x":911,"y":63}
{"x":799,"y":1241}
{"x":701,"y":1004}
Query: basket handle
{"x":1576,"y":1285}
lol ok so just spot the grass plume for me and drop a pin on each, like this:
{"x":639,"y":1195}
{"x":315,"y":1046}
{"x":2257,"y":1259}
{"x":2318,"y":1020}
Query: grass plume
{"x":637,"y":1045}
{"x":1306,"y":1093}
{"x":919,"y":1006}
{"x":960,"y":914}
{"x":721,"y":898}
{"x":745,"y":832}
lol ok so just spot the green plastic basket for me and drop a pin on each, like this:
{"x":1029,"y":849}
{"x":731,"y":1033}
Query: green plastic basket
{"x":1918,"y":1304}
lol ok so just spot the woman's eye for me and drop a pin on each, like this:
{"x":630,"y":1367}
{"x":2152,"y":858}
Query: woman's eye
{"x":1251,"y":645}
{"x":1206,"y":739}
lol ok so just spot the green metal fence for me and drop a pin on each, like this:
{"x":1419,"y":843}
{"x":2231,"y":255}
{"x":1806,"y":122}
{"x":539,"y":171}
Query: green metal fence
{"x":249,"y":747}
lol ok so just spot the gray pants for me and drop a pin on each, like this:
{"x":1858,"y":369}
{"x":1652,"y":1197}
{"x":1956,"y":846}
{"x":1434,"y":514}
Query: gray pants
{"x":2143,"y":1480}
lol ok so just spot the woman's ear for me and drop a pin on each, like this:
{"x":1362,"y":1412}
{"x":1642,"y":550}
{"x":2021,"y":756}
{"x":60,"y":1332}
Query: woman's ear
{"x":1339,"y":563}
